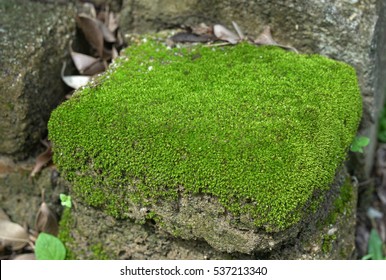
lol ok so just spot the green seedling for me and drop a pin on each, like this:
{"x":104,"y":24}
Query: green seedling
{"x":375,"y":250}
{"x":359,"y":143}
{"x":49,"y":247}
{"x":65,"y":200}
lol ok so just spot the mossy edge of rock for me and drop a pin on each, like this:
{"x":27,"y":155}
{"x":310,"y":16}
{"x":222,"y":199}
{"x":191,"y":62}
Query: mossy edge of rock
{"x":333,"y":239}
{"x":100,"y":165}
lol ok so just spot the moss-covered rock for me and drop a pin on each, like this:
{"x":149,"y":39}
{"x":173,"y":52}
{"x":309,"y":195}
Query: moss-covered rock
{"x":238,"y":145}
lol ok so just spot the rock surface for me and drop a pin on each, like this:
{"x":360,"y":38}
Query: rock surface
{"x":34,"y":42}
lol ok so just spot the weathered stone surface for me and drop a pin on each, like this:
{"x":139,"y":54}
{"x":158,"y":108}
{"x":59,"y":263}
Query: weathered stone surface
{"x":34,"y":42}
{"x":348,"y":30}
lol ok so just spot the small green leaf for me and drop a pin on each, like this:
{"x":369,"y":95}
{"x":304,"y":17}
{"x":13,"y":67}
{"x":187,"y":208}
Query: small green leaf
{"x":358,"y":143}
{"x":367,"y":257}
{"x":65,"y":200}
{"x":49,"y":247}
{"x":375,"y":246}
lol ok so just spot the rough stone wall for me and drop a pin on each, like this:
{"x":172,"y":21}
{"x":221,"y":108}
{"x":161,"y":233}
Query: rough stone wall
{"x":352,"y":31}
{"x":34,"y":42}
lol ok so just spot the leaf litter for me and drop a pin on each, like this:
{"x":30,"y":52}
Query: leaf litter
{"x":42,"y":159}
{"x":46,"y":220}
{"x":17,"y":242}
{"x":218,"y":32}
{"x":12,"y":235}
{"x":101,"y":32}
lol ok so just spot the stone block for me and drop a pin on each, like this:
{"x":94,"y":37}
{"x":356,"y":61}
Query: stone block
{"x":34,"y":44}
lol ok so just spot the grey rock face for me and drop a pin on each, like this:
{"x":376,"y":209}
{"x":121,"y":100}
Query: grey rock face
{"x":34,"y":42}
{"x":353,"y":31}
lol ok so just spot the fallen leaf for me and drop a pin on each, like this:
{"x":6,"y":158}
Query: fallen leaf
{"x":86,"y":64}
{"x":92,"y":31}
{"x":225,"y":34}
{"x":186,"y":37}
{"x":46,"y":220}
{"x":97,"y":67}
{"x":112,"y":23}
{"x":108,"y":36}
{"x":75,"y":81}
{"x":13,"y":235}
{"x":202,"y":29}
{"x":82,"y":61}
{"x":103,"y":15}
{"x":114,"y":53}
{"x":238,"y":30}
{"x":265,"y":38}
{"x":41,"y":161}
{"x":88,"y":9}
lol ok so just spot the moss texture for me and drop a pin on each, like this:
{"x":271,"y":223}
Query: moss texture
{"x":261,"y":129}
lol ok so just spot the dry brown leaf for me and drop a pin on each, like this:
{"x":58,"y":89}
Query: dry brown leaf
{"x":119,"y":42}
{"x":88,"y":9}
{"x":114,"y":53}
{"x":12,"y":235}
{"x":108,"y":36}
{"x":265,"y":38}
{"x":24,"y":257}
{"x":225,"y":34}
{"x":46,"y":220}
{"x":87,"y":65}
{"x":186,"y":37}
{"x":103,"y":15}
{"x":74,"y":81}
{"x":41,"y":161}
{"x":92,"y":31}
{"x":238,"y":30}
{"x":82,"y":61}
{"x":95,"y":68}
{"x":202,"y":29}
{"x":112,"y":23}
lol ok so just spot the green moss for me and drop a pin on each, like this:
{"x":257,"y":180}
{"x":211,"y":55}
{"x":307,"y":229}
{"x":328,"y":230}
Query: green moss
{"x":262,"y":129}
{"x":328,"y":242}
{"x":98,"y":252}
{"x":65,"y":226}
{"x":342,"y":203}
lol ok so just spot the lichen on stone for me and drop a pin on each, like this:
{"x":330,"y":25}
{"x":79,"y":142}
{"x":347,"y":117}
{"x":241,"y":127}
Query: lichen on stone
{"x":261,"y":129}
